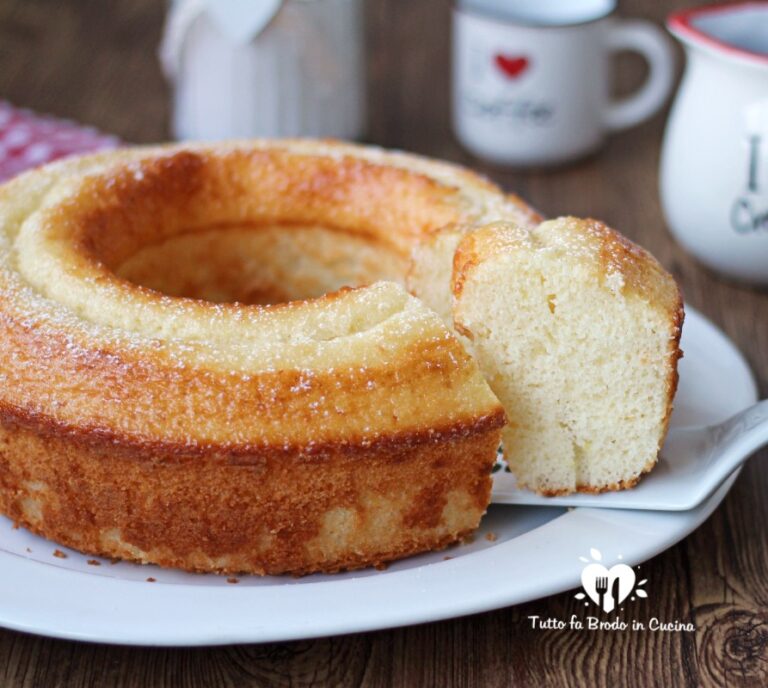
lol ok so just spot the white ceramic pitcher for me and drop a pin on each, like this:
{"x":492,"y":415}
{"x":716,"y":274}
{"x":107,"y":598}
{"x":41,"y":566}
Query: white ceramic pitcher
{"x":250,"y":68}
{"x":714,"y":166}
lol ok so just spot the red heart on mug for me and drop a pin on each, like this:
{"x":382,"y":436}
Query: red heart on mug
{"x":513,"y":67}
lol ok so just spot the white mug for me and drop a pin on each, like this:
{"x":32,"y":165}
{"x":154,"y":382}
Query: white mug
{"x":531,"y":77}
{"x":714,"y":161}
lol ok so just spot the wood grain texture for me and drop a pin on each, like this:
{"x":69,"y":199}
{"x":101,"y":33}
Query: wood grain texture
{"x":95,"y":62}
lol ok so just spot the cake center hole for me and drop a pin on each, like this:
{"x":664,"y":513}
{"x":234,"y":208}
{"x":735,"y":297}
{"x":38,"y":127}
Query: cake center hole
{"x":261,"y":264}
{"x":260,"y":226}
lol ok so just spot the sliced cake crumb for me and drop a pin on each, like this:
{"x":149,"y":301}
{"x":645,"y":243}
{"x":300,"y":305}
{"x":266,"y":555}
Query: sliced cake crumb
{"x":576,"y":330}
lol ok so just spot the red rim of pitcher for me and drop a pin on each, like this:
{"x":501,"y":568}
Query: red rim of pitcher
{"x":680,"y":24}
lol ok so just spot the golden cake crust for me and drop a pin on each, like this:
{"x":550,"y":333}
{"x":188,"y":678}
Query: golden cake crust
{"x":321,"y":434}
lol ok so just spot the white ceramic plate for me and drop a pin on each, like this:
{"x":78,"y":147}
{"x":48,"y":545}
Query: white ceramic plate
{"x":530,"y":552}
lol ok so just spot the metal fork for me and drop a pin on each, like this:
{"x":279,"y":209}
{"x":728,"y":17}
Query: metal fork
{"x":601,"y":587}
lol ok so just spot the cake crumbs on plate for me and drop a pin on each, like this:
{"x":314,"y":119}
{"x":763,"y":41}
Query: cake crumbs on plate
{"x":59,"y":554}
{"x":233,"y":581}
{"x":491,"y":536}
{"x":93,"y":562}
{"x":29,"y":550}
{"x":467,"y":539}
{"x":151,"y":580}
{"x":447,"y":558}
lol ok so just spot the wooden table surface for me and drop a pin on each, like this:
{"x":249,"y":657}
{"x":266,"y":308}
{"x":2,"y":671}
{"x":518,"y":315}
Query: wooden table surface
{"x":95,"y":62}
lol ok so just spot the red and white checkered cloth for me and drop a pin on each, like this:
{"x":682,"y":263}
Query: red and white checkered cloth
{"x":28,"y":139}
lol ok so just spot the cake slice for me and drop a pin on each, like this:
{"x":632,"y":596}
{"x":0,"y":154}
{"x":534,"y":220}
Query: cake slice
{"x":577,"y":332}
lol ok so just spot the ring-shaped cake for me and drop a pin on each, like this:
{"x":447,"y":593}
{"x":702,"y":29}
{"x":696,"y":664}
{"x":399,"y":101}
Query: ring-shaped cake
{"x":209,"y":358}
{"x":155,"y":407}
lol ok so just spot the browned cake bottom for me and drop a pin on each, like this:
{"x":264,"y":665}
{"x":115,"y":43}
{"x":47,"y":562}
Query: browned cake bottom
{"x":209,"y":511}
